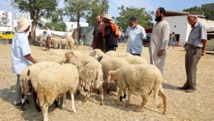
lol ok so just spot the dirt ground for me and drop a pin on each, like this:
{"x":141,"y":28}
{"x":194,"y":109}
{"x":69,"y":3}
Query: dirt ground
{"x":196,"y":106}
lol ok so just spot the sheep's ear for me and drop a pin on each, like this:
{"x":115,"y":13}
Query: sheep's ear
{"x":100,"y":58}
{"x":28,"y":72}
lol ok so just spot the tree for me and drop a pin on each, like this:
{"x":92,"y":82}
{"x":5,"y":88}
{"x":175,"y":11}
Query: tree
{"x":37,"y":9}
{"x":199,"y":10}
{"x":144,"y":17}
{"x":98,"y":7}
{"x":77,"y":9}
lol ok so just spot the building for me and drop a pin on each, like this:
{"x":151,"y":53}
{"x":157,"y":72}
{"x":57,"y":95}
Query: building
{"x":180,"y":26}
{"x":5,"y":20}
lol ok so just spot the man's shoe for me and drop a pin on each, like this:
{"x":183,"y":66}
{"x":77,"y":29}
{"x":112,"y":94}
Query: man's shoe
{"x":18,"y":104}
{"x":190,"y":90}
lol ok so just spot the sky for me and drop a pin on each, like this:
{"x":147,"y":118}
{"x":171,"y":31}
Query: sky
{"x":149,"y":5}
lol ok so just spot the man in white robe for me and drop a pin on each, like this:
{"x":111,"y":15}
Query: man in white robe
{"x":159,"y":40}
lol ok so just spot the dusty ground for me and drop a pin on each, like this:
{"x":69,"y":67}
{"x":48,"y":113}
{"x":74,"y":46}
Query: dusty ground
{"x":196,"y":106}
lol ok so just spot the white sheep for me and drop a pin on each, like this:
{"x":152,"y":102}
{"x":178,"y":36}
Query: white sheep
{"x":92,"y":75}
{"x":63,"y":44}
{"x":53,"y":83}
{"x":70,"y":41}
{"x":143,"y":78}
{"x":79,"y":61}
{"x":110,"y":64}
{"x":29,"y":76}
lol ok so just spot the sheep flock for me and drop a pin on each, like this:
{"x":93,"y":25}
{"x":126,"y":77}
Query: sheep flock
{"x":72,"y":72}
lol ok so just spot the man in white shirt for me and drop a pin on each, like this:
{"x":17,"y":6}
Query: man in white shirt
{"x":48,"y":38}
{"x":20,"y":54}
{"x":135,"y":35}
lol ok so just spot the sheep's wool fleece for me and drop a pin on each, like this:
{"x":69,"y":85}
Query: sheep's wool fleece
{"x":53,"y":82}
{"x":141,"y":77}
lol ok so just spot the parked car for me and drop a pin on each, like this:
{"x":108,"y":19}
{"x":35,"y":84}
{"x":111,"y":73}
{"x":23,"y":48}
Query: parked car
{"x":7,"y":35}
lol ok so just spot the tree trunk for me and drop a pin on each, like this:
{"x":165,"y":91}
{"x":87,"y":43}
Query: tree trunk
{"x":78,"y":25}
{"x":33,"y":30}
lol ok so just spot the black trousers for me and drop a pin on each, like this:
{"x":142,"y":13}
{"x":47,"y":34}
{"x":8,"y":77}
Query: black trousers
{"x":113,"y":48}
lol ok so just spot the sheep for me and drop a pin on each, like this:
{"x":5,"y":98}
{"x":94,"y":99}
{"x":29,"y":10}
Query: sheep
{"x":143,"y":78}
{"x":98,"y":54}
{"x":78,"y":61}
{"x":110,"y":64}
{"x":54,"y":82}
{"x":63,"y":44}
{"x":70,"y":41}
{"x":92,"y":75}
{"x":55,"y":42}
{"x":131,"y":59}
{"x":28,"y":76}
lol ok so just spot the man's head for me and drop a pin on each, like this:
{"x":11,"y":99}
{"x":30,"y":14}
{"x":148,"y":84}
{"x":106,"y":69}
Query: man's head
{"x":47,"y":27}
{"x":107,"y":18}
{"x":192,"y":19}
{"x":23,"y":24}
{"x":133,"y":22}
{"x":99,"y":19}
{"x":160,"y":13}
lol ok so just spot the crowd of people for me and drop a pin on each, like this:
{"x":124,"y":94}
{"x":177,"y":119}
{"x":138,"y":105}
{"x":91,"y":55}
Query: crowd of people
{"x":106,"y":35}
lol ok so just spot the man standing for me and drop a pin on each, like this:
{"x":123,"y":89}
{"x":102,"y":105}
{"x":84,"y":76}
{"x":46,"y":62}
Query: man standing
{"x":48,"y":38}
{"x":110,"y":34}
{"x":20,"y":54}
{"x":97,"y":42}
{"x":75,"y":37}
{"x":159,"y":40}
{"x":135,"y":34}
{"x":196,"y":47}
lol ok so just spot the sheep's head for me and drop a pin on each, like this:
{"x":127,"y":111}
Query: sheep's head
{"x":96,"y":53}
{"x":68,"y":57}
{"x":112,"y":75}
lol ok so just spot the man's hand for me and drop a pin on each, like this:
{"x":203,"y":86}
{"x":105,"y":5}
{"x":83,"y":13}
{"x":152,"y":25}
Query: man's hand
{"x":160,"y":53}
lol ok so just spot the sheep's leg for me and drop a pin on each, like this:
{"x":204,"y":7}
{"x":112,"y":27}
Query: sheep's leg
{"x":45,"y":112}
{"x":144,"y":101}
{"x":63,"y":100}
{"x":101,"y":94}
{"x":72,"y":102}
{"x":35,"y":101}
{"x":129,"y":95}
{"x":118,"y":96}
{"x":163,"y":97}
{"x":24,"y":97}
{"x":87,"y":96}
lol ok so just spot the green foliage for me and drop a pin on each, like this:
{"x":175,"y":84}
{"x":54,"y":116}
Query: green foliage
{"x":58,"y":26}
{"x":37,"y":9}
{"x":144,"y":17}
{"x":200,"y":11}
{"x":97,"y":8}
{"x":77,"y":9}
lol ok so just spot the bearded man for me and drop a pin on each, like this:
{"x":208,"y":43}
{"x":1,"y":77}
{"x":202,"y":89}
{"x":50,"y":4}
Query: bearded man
{"x":159,"y":40}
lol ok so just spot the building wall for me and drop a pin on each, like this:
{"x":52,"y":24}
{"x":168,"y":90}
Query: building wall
{"x":178,"y":24}
{"x":5,"y":20}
